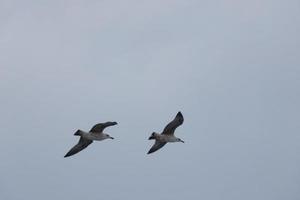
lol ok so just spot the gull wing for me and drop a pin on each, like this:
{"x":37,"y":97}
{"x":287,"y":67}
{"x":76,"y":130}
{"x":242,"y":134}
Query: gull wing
{"x":82,"y":144}
{"x":157,"y":145}
{"x":98,"y":128}
{"x":170,"y":128}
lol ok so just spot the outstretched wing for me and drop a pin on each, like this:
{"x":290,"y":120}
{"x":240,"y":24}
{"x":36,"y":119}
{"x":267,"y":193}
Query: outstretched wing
{"x":98,"y":128}
{"x":170,"y":128}
{"x":157,"y":145}
{"x":82,"y":144}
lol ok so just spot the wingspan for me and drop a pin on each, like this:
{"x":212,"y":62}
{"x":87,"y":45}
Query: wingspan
{"x":82,"y":144}
{"x":177,"y":121}
{"x":157,"y":145}
{"x":98,"y":128}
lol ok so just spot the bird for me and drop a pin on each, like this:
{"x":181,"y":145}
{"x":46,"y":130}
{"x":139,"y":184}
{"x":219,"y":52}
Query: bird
{"x":167,"y":135}
{"x":87,"y":138}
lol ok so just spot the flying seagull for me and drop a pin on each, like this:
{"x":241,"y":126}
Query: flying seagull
{"x":167,"y":135}
{"x":86,"y":138}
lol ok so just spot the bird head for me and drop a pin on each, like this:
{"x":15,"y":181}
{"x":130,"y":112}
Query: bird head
{"x":108,"y":137}
{"x":180,"y":140}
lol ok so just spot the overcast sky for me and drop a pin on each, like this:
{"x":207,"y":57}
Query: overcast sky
{"x":231,"y":67}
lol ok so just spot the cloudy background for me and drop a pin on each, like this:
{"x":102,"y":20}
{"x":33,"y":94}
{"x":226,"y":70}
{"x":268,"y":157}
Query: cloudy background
{"x":232,"y":67}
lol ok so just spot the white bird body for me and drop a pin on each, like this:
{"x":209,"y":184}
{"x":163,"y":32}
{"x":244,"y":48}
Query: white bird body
{"x":166,"y":138}
{"x":95,"y":136}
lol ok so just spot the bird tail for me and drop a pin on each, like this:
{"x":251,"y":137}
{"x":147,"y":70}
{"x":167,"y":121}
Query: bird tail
{"x":152,"y":137}
{"x":78,"y":132}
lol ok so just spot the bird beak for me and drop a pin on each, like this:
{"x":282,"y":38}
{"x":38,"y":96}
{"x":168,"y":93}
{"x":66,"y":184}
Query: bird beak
{"x":111,"y":138}
{"x":182,"y":141}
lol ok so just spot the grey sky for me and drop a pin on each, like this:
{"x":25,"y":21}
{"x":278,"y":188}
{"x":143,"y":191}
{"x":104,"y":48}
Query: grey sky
{"x":232,"y":67}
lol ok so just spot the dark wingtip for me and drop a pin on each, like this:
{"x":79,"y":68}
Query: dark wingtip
{"x":180,"y":116}
{"x":151,"y":150}
{"x":68,"y":154}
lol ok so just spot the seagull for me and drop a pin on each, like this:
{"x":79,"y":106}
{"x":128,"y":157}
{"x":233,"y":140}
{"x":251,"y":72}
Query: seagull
{"x":167,"y":135}
{"x":86,"y":138}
